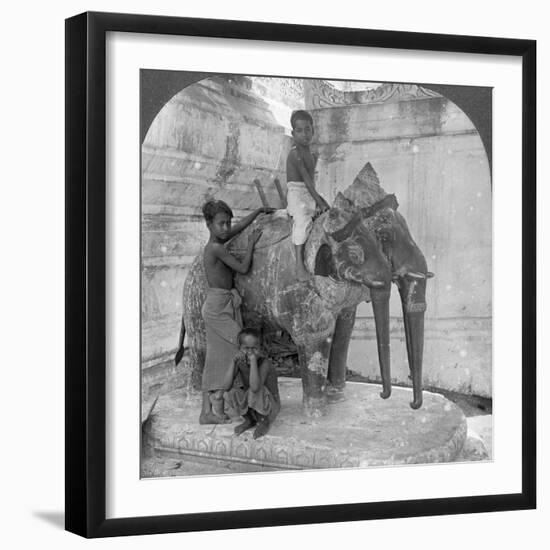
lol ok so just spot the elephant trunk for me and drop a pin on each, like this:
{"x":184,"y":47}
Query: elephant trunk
{"x":381,"y":309}
{"x":413,"y":293}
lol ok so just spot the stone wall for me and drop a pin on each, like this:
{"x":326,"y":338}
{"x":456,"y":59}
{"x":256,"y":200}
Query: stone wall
{"x":427,"y":152}
{"x":213,"y":138}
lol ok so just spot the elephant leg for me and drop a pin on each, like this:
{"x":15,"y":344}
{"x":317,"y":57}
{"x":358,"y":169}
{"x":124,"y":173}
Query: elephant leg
{"x":339,"y":354}
{"x":314,"y":358}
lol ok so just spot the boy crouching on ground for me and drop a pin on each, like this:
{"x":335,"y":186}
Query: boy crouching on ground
{"x":251,"y":383}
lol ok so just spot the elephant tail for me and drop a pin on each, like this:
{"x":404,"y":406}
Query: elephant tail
{"x":181,"y":348}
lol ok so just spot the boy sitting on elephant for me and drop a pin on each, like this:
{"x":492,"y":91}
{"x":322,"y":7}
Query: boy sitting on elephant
{"x":303,"y":201}
{"x":221,"y":309}
{"x":251,"y":384}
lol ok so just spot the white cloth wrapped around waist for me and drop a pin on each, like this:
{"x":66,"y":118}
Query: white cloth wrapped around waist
{"x":301,"y":207}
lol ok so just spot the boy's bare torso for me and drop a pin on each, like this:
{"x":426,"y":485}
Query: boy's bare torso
{"x":296,"y":156}
{"x":218,"y":275}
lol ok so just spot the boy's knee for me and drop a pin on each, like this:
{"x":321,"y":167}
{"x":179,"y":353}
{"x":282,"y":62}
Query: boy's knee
{"x":216,"y":395}
{"x":228,"y":395}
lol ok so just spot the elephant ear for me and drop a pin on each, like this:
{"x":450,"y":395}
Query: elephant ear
{"x":365,"y":189}
{"x":340,"y":214}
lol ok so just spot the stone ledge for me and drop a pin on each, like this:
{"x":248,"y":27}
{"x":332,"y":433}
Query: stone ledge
{"x":362,"y":431}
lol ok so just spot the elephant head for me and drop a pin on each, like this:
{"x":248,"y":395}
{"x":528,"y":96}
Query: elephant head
{"x":365,"y":210}
{"x":410,"y":274}
{"x":352,"y":253}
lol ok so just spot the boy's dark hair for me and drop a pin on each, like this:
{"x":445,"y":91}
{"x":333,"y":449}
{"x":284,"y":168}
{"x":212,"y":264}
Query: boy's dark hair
{"x":300,"y":115}
{"x":250,"y":331}
{"x":213,"y":207}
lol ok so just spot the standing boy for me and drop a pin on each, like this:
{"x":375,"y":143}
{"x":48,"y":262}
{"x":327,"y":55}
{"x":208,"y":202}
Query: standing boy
{"x":221,"y":309}
{"x":302,"y":198}
{"x":251,"y":383}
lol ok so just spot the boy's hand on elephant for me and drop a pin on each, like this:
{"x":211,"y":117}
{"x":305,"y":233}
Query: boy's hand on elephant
{"x":320,"y":209}
{"x":266,"y":210}
{"x":254,"y":236}
{"x":322,"y":205}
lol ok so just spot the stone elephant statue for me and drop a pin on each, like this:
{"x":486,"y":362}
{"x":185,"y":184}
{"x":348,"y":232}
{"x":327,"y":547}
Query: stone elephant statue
{"x":408,"y":272}
{"x":354,"y":251}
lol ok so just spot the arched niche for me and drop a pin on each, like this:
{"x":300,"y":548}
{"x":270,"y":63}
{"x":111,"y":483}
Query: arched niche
{"x":210,"y":136}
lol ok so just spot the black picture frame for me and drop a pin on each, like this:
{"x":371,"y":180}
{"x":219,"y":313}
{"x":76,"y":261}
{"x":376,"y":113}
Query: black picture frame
{"x":86,"y":274}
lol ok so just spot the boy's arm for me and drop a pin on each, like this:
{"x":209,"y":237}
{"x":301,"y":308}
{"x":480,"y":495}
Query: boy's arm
{"x":300,"y":166}
{"x":246,"y":221}
{"x":258,"y":374}
{"x":221,"y":253}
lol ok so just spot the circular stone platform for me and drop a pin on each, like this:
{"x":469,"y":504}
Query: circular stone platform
{"x":364,"y":430}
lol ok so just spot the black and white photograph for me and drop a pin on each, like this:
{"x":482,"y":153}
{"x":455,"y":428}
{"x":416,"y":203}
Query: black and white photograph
{"x":316,"y":273}
{"x":274,"y":275}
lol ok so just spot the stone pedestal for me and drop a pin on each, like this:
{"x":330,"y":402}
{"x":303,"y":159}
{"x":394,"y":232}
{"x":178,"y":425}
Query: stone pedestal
{"x":364,"y":430}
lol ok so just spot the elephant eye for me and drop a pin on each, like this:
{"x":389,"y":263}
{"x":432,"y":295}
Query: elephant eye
{"x":355,"y":254}
{"x":384,"y":235}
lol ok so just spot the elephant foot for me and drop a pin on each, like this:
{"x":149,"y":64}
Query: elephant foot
{"x":314,"y":407}
{"x":385,"y":393}
{"x":416,"y":404}
{"x":335,"y":395}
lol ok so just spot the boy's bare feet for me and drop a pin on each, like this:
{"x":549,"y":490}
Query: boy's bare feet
{"x":302,"y":274}
{"x":211,"y":418}
{"x":262,"y":428}
{"x":249,"y":421}
{"x":246,"y":425}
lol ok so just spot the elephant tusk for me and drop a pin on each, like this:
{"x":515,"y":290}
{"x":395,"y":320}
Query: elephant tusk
{"x":429,"y":275}
{"x":415,"y":275}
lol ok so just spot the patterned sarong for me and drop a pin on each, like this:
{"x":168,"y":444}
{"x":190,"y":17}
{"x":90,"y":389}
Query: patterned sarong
{"x":222,"y":317}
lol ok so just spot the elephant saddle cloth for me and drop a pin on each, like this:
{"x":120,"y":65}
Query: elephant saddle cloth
{"x":276,"y":227}
{"x":221,"y":312}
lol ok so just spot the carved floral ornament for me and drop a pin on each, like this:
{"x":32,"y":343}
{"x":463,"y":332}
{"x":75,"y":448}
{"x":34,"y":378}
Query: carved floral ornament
{"x":321,"y":94}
